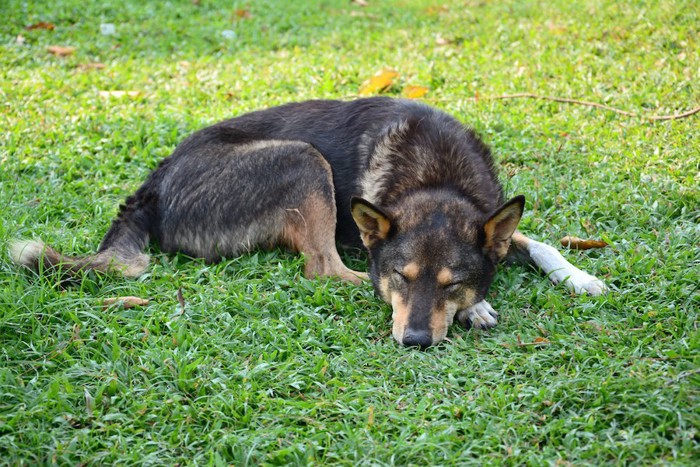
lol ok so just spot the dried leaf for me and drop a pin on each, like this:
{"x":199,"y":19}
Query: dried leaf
{"x":555,"y":28}
{"x":576,"y":243}
{"x":92,"y":66}
{"x":537,"y":341}
{"x":370,"y":416}
{"x":360,"y":2}
{"x":242,"y":13}
{"x":181,"y":300}
{"x":415,"y":92}
{"x":381,"y":80}
{"x":126,"y":302}
{"x":41,"y":25}
{"x":118,"y":93}
{"x":60,"y":50}
{"x":435,"y":10}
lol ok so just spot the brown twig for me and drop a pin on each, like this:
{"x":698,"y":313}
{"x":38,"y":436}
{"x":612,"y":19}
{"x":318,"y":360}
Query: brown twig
{"x":675,"y":117}
{"x":564,"y":100}
{"x":381,"y":336}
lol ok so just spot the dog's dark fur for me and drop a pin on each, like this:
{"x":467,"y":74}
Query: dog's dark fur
{"x":411,"y":183}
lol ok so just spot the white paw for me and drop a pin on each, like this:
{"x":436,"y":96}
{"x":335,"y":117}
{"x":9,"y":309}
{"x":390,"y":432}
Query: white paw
{"x":580,"y":282}
{"x":480,"y":315}
{"x":593,"y":287}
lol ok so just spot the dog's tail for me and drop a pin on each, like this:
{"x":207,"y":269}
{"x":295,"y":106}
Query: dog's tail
{"x":121,"y":251}
{"x":39,"y":257}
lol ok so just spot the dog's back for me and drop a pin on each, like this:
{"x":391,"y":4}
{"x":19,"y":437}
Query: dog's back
{"x":355,"y":138}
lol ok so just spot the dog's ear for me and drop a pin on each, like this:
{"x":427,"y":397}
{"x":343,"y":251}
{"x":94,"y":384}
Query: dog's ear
{"x":373,"y":223}
{"x":501,"y":225}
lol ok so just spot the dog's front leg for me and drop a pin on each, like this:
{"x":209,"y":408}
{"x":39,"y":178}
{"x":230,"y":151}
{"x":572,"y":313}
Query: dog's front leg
{"x":478,"y":316}
{"x":552,"y":263}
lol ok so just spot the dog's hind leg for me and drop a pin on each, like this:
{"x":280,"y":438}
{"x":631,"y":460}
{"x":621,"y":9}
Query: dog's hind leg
{"x":309,"y":228}
{"x":554,"y":265}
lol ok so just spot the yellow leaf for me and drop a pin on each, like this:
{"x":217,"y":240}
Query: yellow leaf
{"x":415,"y":92}
{"x":381,"y":80}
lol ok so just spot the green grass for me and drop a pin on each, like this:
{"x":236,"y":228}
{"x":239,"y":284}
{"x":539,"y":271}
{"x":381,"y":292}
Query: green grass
{"x":265,"y":367}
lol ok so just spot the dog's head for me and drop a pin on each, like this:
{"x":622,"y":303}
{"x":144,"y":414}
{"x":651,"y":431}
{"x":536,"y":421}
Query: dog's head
{"x":432,"y":256}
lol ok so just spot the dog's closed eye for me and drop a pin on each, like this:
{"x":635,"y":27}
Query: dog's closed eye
{"x":399,"y":276}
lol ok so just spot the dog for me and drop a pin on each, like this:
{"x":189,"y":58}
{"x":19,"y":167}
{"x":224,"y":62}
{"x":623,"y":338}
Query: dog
{"x":414,"y":186}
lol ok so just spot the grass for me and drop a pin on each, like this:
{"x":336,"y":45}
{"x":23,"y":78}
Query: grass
{"x":265,"y":367}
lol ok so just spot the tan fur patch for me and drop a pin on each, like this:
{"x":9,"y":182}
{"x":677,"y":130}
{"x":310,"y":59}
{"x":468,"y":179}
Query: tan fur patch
{"x":411,"y":271}
{"x":384,"y":289}
{"x":444,"y":277}
{"x":468,"y":298}
{"x":399,"y":316}
{"x":520,"y":240}
{"x":441,"y":319}
{"x":438,"y":322}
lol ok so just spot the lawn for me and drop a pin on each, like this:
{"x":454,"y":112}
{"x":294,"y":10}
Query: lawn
{"x":250,"y":363}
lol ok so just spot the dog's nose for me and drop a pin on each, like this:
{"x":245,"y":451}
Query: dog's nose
{"x":413,"y":338}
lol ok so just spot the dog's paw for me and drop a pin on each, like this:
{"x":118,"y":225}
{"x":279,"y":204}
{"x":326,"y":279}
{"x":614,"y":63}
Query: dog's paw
{"x":478,"y":316}
{"x":580,"y":282}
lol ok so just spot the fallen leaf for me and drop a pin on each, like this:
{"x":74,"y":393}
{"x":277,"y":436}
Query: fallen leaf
{"x":118,"y":93}
{"x":415,"y":92}
{"x":435,"y":10}
{"x":126,"y":302}
{"x":181,"y":300}
{"x":242,"y":14}
{"x":576,"y":243}
{"x":91,"y":66}
{"x":359,"y":2}
{"x":520,"y":343}
{"x":60,"y":50}
{"x":370,"y":416}
{"x":555,"y":28}
{"x":41,"y":25}
{"x":381,"y":80}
